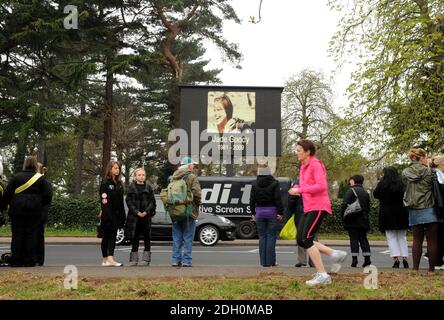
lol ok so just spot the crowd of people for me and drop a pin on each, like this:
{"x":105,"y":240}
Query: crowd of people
{"x":412,"y":199}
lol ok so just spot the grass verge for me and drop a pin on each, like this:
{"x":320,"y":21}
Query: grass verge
{"x":392,"y":286}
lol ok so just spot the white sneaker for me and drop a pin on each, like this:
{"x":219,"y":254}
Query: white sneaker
{"x":318,"y":279}
{"x":111,"y":264}
{"x":338,"y":256}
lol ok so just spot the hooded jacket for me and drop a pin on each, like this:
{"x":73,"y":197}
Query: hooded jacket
{"x":265,"y":192}
{"x":193,"y":183}
{"x":313,"y":186}
{"x":417,"y":179}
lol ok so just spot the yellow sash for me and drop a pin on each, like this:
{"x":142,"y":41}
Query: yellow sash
{"x":29,"y":183}
{"x":1,"y":190}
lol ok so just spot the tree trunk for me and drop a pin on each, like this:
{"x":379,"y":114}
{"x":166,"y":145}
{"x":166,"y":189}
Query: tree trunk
{"x":41,"y":149}
{"x":108,"y":119}
{"x":79,"y":153}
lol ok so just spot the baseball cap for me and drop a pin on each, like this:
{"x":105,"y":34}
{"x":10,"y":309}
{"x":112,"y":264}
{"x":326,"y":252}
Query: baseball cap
{"x":187,"y":160}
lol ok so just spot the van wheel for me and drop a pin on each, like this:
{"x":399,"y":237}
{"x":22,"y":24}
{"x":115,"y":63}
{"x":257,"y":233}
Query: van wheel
{"x":120,"y":236}
{"x":246,"y":230}
{"x":208,"y":235}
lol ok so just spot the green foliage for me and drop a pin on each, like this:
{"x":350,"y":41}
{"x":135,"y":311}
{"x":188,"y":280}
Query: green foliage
{"x":333,"y":223}
{"x":396,"y":96}
{"x":74,"y":213}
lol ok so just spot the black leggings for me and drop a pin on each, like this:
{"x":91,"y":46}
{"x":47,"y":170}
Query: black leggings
{"x":308,"y":227}
{"x":108,"y":242}
{"x":431,"y":232}
{"x":143,"y":227}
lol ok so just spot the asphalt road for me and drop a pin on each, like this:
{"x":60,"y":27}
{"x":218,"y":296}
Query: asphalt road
{"x":219,"y":255}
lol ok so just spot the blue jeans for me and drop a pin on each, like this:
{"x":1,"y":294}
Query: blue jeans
{"x":267,"y":230}
{"x":183,"y":236}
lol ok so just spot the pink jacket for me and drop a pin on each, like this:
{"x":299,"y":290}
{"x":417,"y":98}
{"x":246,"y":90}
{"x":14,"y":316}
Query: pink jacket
{"x":313,"y":186}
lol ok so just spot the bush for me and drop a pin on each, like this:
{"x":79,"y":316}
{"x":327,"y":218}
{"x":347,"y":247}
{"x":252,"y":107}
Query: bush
{"x":333,"y":224}
{"x":73,"y":213}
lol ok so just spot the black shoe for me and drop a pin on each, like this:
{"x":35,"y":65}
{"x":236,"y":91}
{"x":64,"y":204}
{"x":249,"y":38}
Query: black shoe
{"x":176,"y":264}
{"x":354,"y":262}
{"x":187,"y":265}
{"x":396,"y":264}
{"x":367,"y":261}
{"x":300,"y":264}
{"x":405,"y":264}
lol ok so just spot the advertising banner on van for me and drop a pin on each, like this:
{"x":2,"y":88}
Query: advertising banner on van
{"x":220,"y":121}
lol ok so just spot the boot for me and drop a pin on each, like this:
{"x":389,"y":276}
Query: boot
{"x":134,"y":259}
{"x":367,"y":261}
{"x":354,"y":262}
{"x":146,"y":259}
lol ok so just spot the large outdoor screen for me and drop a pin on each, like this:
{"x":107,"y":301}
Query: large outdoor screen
{"x":232,"y":120}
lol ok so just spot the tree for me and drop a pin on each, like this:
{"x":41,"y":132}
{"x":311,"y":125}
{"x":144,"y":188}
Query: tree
{"x":396,"y":94}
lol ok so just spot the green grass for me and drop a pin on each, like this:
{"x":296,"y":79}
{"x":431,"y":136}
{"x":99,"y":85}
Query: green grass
{"x":392,"y":285}
{"x":5,"y":231}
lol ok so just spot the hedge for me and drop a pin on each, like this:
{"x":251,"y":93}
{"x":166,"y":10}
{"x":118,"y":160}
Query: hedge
{"x":333,"y":223}
{"x":74,"y":213}
{"x":82,"y":213}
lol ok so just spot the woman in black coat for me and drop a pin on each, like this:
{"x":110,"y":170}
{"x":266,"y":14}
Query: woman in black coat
{"x":358,"y":225}
{"x":393,"y":216}
{"x":112,"y":215}
{"x":27,"y":194}
{"x":141,"y":208}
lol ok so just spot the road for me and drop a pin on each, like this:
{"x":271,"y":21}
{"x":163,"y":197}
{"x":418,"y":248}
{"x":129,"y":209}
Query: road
{"x":220,"y":255}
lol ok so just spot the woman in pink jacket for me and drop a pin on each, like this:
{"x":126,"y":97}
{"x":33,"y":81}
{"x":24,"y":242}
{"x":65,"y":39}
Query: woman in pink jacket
{"x":313,"y":188}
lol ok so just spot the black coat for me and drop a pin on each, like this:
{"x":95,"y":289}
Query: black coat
{"x":30,"y":202}
{"x":392,"y":213}
{"x":266,"y":192}
{"x":113,"y":209}
{"x":139,"y":202}
{"x":361,"y":221}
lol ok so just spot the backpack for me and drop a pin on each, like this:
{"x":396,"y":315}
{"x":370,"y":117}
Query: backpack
{"x":178,"y":199}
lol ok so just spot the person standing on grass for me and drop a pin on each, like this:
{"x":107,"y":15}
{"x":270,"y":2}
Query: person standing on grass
{"x":141,"y":208}
{"x":267,"y":210}
{"x":2,"y":191}
{"x":112,"y":215}
{"x":393,"y":216}
{"x":313,"y":188}
{"x":418,"y":198}
{"x":358,"y":225}
{"x":438,"y":171}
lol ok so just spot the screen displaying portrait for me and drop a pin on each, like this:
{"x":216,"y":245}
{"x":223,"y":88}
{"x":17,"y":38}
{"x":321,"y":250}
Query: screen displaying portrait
{"x":230,"y":112}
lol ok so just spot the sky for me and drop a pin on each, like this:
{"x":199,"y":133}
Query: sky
{"x":292,"y":35}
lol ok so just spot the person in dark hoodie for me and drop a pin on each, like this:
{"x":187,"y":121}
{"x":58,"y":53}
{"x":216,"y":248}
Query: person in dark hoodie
{"x":112,"y":215}
{"x":266,"y":207}
{"x":358,"y":225}
{"x":418,"y":198}
{"x":393,"y":216}
{"x":27,"y":194}
{"x":141,"y":208}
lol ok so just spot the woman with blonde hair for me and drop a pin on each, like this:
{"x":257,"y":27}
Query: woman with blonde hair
{"x":112,"y":216}
{"x":141,"y":208}
{"x":418,"y":198}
